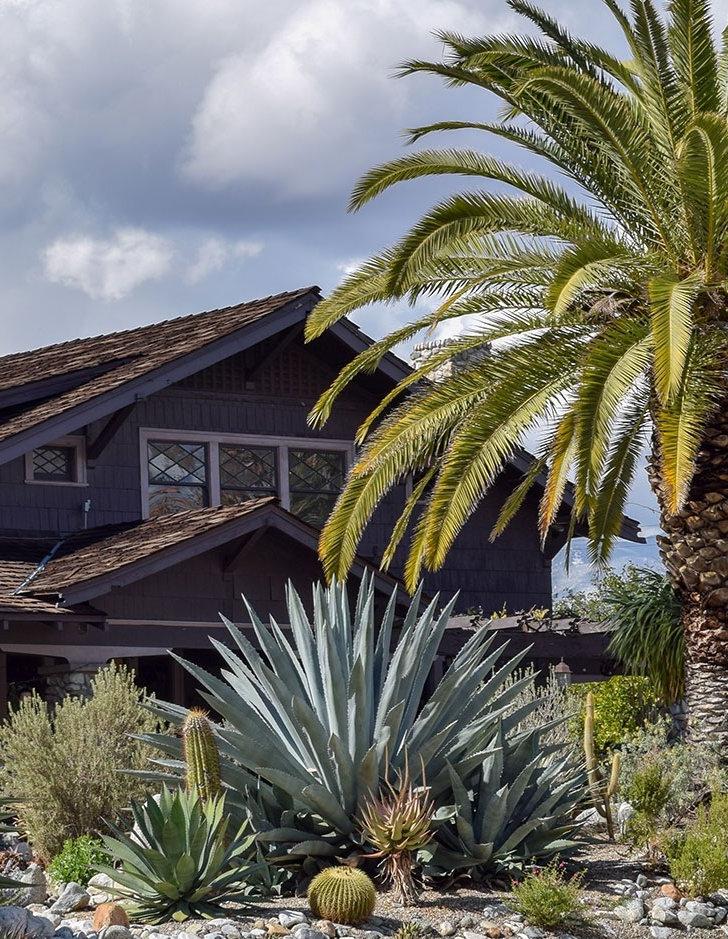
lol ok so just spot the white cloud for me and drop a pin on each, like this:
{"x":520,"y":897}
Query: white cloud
{"x":214,"y":253}
{"x":299,"y":111}
{"x":108,"y":269}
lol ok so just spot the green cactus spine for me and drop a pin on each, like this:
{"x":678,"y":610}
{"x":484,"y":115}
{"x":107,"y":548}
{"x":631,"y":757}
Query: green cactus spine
{"x":601,"y":793}
{"x":201,"y":755}
{"x":343,"y":895}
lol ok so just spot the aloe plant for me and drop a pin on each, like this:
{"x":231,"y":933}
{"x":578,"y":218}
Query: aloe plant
{"x":314,"y":718}
{"x":179,"y":861}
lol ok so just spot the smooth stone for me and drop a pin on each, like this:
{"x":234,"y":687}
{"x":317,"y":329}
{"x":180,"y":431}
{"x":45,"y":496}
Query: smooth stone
{"x":696,"y":906}
{"x":664,"y":917}
{"x":291,"y":918}
{"x":230,"y":931}
{"x":641,"y":880}
{"x":72,"y":899}
{"x":115,"y":932}
{"x":630,"y":912}
{"x":694,"y":920}
{"x":660,"y":932}
{"x":721,"y":913}
{"x":446,"y":928}
{"x":307,"y":932}
{"x":326,"y":927}
{"x":664,"y":903}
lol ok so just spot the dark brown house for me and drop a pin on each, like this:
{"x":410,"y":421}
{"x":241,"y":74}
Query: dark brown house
{"x":150,"y":477}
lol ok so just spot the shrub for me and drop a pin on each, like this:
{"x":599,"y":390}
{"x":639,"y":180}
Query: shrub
{"x":693,"y":770}
{"x":698,"y":856}
{"x":63,"y":767}
{"x":311,"y":728}
{"x":78,"y":860}
{"x":649,"y":793}
{"x":553,"y":705}
{"x":342,"y":894}
{"x":547,"y":897}
{"x":622,"y":704}
{"x":179,"y":861}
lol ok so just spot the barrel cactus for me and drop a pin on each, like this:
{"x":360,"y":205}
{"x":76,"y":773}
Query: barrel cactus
{"x":202,"y":758}
{"x":343,"y":895}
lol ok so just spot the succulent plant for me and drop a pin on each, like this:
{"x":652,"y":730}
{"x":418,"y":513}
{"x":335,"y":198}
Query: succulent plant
{"x":201,"y":754}
{"x":602,"y":790}
{"x":178,"y":861}
{"x":343,"y":895}
{"x":411,"y":930}
{"x":398,"y":823}
{"x":313,"y":720}
{"x":511,"y":810}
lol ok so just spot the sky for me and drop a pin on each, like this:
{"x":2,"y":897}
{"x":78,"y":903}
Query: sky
{"x":160,"y":157}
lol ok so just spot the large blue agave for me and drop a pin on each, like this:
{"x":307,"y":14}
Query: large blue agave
{"x":313,"y":720}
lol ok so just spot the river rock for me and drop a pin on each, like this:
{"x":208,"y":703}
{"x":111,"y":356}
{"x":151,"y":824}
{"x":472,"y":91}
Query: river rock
{"x":632,"y":911}
{"x":694,"y":919}
{"x":73,"y":898}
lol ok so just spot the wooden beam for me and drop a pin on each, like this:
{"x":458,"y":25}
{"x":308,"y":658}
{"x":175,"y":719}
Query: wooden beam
{"x":3,"y":685}
{"x":178,"y":683}
{"x":244,"y":550}
{"x":278,"y":349}
{"x":107,"y":433}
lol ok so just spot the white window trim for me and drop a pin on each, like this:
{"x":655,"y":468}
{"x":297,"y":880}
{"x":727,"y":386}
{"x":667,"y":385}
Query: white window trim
{"x":281,"y":444}
{"x":78,"y":443}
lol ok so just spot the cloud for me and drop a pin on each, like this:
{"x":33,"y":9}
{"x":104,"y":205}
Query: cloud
{"x":108,"y":269}
{"x":318,"y":98}
{"x":214,"y":253}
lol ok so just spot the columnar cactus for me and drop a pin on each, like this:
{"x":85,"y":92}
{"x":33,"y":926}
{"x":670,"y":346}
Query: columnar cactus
{"x":601,"y":793}
{"x":201,"y":755}
{"x":343,"y":895}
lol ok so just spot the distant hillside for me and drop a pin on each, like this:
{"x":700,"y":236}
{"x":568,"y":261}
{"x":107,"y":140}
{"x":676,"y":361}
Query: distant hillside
{"x":582,"y":575}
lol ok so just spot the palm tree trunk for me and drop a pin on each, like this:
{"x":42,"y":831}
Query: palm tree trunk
{"x":695,"y":552}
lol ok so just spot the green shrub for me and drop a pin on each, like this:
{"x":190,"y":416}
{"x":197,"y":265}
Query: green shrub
{"x":302,"y":757}
{"x":547,"y":897}
{"x":622,"y":704}
{"x":180,"y":861}
{"x":63,"y":767}
{"x":693,"y":770}
{"x":77,"y":860}
{"x":698,"y":856}
{"x":649,"y":792}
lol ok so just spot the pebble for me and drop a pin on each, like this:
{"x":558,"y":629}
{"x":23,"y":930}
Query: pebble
{"x":446,"y":928}
{"x":661,"y":932}
{"x":291,"y":918}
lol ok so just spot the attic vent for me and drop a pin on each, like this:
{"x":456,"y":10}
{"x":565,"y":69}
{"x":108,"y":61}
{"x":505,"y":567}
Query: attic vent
{"x":424,"y":351}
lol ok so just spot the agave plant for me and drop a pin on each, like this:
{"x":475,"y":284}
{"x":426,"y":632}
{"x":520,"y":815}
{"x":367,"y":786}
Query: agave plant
{"x":314,"y":719}
{"x":513,"y":808}
{"x":398,"y":823}
{"x":179,"y":861}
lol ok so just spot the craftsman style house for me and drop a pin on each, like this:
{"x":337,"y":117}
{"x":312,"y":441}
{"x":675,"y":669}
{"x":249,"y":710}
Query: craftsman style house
{"x":151,"y":477}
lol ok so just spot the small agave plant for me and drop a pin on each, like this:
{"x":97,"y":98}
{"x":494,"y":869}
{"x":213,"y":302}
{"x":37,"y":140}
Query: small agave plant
{"x":314,"y":717}
{"x":179,"y":861}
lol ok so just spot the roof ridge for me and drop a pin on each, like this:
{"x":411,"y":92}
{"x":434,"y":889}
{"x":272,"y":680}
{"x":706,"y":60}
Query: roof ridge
{"x":67,"y":343}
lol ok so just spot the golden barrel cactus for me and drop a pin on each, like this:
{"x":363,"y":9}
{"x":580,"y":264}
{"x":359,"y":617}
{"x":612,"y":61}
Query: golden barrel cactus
{"x":343,"y":895}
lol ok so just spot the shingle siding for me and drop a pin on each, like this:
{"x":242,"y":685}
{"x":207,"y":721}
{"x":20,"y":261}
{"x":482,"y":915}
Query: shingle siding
{"x":513,"y":570}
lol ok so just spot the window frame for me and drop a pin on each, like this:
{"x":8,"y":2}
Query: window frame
{"x":75,"y":442}
{"x":214,"y":440}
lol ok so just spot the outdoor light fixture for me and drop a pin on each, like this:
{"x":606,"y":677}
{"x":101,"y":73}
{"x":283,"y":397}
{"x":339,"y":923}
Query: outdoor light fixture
{"x":563,"y":674}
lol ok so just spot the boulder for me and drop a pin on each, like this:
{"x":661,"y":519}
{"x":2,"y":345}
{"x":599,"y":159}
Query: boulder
{"x":632,"y":911}
{"x":109,"y":914}
{"x":72,"y":898}
{"x":98,"y":889}
{"x":694,"y":919}
{"x":17,"y":923}
{"x":34,"y":889}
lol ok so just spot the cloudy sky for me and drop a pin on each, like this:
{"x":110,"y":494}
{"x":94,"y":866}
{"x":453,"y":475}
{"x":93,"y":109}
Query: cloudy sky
{"x":165,"y":156}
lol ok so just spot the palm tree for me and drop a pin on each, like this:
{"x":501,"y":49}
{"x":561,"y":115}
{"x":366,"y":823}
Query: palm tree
{"x":603,"y":306}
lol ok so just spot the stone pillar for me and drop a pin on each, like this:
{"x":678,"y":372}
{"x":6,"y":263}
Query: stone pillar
{"x":72,"y":679}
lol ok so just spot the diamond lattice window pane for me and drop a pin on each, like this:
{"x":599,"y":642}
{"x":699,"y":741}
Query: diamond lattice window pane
{"x":164,"y":500}
{"x":313,"y":508}
{"x":172,"y":463}
{"x":248,"y":468}
{"x":316,"y":470}
{"x":56,"y":464}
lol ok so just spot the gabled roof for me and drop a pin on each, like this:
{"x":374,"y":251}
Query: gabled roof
{"x":89,"y":563}
{"x":70,"y":384}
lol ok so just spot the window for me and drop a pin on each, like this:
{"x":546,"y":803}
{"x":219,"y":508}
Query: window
{"x":59,"y":463}
{"x":246,"y":473}
{"x":205,"y":469}
{"x":315,"y":478}
{"x":177,"y":474}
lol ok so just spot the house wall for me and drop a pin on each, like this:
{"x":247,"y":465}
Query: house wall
{"x":276,"y":401}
